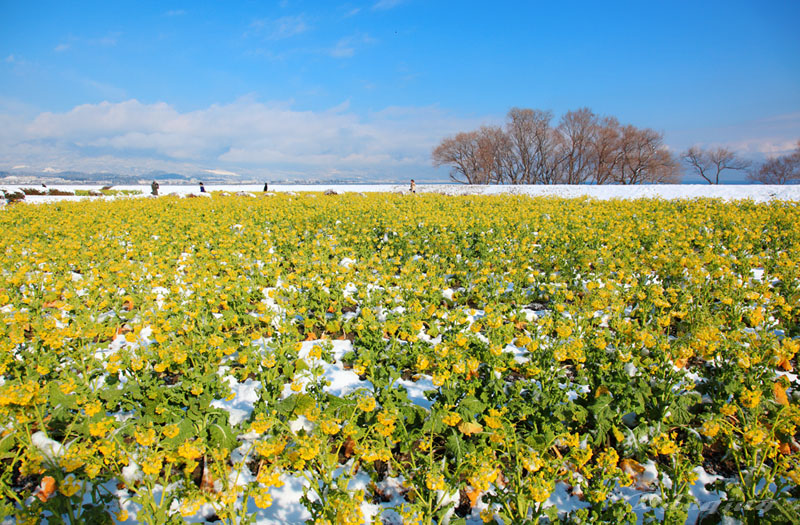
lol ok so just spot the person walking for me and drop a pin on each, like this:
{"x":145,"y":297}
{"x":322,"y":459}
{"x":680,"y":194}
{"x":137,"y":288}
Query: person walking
{"x":154,"y":188}
{"x":266,"y":186}
{"x":413,"y":186}
{"x":202,"y":188}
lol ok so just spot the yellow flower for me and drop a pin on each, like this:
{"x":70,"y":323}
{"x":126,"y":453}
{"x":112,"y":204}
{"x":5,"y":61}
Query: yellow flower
{"x":754,"y":435}
{"x":102,"y":427}
{"x":330,"y":426}
{"x":540,"y":488}
{"x":270,"y":449}
{"x":440,"y":377}
{"x":608,"y":459}
{"x":92,"y":470}
{"x":710,"y":429}
{"x":69,"y":486}
{"x":532,"y":462}
{"x":70,"y":463}
{"x":260,"y":425}
{"x":170,"y":431}
{"x":571,"y":440}
{"x":434,"y":481}
{"x":145,"y":437}
{"x":152,"y":466}
{"x":190,"y":450}
{"x":92,"y":408}
{"x":750,"y":398}
{"x":451,"y":418}
{"x":262,"y":498}
{"x":493,"y":422}
{"x":664,"y":445}
{"x":367,"y":403}
{"x":190,"y":507}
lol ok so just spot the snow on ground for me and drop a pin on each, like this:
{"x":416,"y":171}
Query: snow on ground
{"x":286,"y":507}
{"x":755,"y":192}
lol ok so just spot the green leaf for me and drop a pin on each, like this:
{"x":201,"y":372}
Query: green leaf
{"x":472,"y":405}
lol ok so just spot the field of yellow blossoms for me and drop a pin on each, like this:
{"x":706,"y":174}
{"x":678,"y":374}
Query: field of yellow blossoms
{"x":399,"y":359}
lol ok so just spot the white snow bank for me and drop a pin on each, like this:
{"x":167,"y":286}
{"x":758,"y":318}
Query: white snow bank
{"x":755,"y":192}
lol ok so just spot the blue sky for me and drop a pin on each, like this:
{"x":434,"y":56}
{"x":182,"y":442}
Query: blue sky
{"x":300,"y":90}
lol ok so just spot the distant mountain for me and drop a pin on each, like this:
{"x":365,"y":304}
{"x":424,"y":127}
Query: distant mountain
{"x":79,"y":177}
{"x":21,"y":177}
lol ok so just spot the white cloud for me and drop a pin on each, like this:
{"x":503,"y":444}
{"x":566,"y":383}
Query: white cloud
{"x":386,"y":4}
{"x":279,"y":28}
{"x":175,"y":12}
{"x":109,"y":40}
{"x":766,"y":146}
{"x":346,"y":47}
{"x":221,"y":172}
{"x":754,"y":139}
{"x":10,"y":59}
{"x":242,"y":137}
{"x":343,"y":49}
{"x":60,"y":48}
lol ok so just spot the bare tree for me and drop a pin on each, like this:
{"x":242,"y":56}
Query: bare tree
{"x":495,"y":156}
{"x":461,"y":154}
{"x":780,"y":170}
{"x":476,"y":157}
{"x":578,"y":133}
{"x":644,"y":159}
{"x":710,"y":164}
{"x":533,"y":144}
{"x":606,"y":151}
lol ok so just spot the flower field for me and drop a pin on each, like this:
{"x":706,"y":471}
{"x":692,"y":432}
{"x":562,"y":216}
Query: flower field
{"x":399,"y":359}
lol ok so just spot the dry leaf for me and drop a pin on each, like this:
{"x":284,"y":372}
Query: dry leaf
{"x":470,"y":428}
{"x":779,"y":391}
{"x":472,"y":495}
{"x":46,"y":488}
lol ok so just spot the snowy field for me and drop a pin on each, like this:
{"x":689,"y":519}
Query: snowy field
{"x":757,"y":193}
{"x":342,"y":381}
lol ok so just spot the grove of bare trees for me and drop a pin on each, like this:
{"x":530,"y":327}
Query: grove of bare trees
{"x":581,"y":148}
{"x":779,"y":170}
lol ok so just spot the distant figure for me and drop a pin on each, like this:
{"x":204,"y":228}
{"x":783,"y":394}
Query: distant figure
{"x":266,"y":187}
{"x":202,"y":188}
{"x":413,"y":186}
{"x":154,"y":188}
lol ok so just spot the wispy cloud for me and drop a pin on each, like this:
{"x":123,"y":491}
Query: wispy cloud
{"x":60,"y":48}
{"x":346,"y":47}
{"x":103,"y":89}
{"x":386,"y":4}
{"x":175,"y":12}
{"x":279,"y":28}
{"x":785,"y":117}
{"x":108,"y":40}
{"x":757,"y":139}
{"x":10,"y":59}
{"x":343,"y":49}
